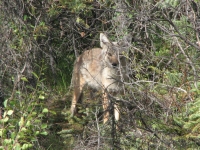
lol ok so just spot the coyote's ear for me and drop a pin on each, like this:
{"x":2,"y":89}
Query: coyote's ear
{"x":125,"y":41}
{"x":104,"y":41}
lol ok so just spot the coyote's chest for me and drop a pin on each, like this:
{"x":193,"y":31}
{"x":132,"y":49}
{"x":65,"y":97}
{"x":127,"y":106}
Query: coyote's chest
{"x":102,"y":78}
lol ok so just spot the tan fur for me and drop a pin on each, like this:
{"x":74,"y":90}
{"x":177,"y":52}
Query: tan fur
{"x":99,"y":68}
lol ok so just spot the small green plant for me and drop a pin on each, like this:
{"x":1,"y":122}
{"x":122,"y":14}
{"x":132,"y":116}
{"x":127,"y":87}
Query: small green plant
{"x":189,"y":120}
{"x":22,"y":121}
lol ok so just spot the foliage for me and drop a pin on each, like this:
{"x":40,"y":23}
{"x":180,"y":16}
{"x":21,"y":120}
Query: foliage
{"x":39,"y":43}
{"x":22,"y":122}
{"x":188,"y":121}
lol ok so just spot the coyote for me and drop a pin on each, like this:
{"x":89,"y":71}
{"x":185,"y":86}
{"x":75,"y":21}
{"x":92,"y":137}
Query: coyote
{"x":101,"y":69}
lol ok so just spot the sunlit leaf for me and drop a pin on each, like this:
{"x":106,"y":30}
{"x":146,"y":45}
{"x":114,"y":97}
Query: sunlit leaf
{"x":10,"y":112}
{"x":17,"y":146}
{"x":44,"y":133}
{"x":5,"y":103}
{"x":45,"y":110}
{"x":1,"y":132}
{"x":28,"y":123}
{"x":4,"y":119}
{"x":26,"y":146}
{"x":24,"y":79}
{"x":7,"y":141}
{"x":21,"y":122}
{"x":41,"y":97}
{"x":37,"y":132}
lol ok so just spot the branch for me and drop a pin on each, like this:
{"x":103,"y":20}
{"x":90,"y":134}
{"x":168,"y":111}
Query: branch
{"x":179,"y":34}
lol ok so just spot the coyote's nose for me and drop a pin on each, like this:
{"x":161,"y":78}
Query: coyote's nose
{"x":114,"y":64}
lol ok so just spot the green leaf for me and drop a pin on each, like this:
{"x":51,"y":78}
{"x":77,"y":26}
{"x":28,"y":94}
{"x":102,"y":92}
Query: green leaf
{"x":26,"y":146}
{"x":10,"y":112}
{"x":44,"y":126}
{"x":196,"y":128}
{"x":5,"y":103}
{"x":37,"y":132}
{"x":10,"y":127}
{"x":189,"y":125}
{"x":21,"y":122}
{"x":44,"y":133}
{"x":38,"y":121}
{"x":24,"y":79}
{"x":28,"y":123}
{"x":17,"y":146}
{"x":23,"y":129}
{"x":7,"y":141}
{"x":194,"y":116}
{"x":66,"y":131}
{"x":41,"y":115}
{"x":25,"y":17}
{"x":34,"y":113}
{"x":53,"y":112}
{"x":4,"y":119}
{"x":13,"y":135}
{"x":45,"y":110}
{"x":1,"y":132}
{"x":35,"y":75}
{"x":41,"y":97}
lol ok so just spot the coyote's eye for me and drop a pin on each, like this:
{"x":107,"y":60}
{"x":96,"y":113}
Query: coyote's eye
{"x":109,"y":54}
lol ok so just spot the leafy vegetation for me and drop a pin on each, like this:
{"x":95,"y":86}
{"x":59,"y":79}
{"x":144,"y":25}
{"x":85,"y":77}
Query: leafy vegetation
{"x":39,"y":43}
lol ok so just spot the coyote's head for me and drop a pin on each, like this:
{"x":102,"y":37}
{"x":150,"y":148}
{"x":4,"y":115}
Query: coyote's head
{"x":112,"y":51}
